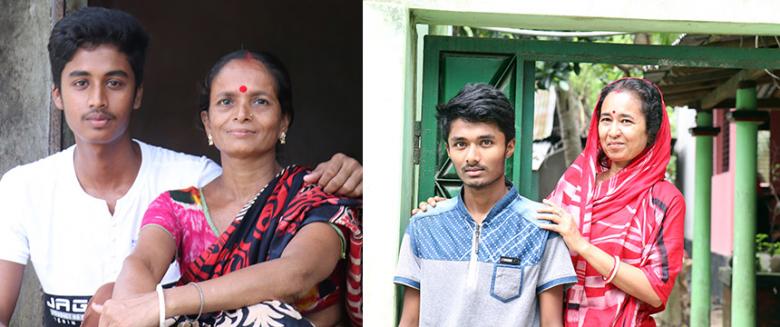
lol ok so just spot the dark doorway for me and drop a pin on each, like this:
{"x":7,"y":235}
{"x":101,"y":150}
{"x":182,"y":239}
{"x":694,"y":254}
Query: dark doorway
{"x":319,"y":42}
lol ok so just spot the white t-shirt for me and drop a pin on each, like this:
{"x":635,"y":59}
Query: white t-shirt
{"x":74,"y":243}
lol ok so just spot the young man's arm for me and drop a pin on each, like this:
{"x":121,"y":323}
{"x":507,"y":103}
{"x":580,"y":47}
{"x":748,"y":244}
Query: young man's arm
{"x":556,"y":271}
{"x":410,"y":314}
{"x":147,"y":264}
{"x":551,"y":307}
{"x":407,"y":275}
{"x":14,"y":245}
{"x":11,"y":275}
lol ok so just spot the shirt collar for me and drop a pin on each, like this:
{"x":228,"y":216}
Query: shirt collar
{"x":499,"y":206}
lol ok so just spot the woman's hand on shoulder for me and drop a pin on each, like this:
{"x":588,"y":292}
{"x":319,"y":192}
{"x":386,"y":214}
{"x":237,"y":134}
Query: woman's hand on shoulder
{"x":563,"y":223}
{"x":430,"y":203}
{"x":341,"y":175}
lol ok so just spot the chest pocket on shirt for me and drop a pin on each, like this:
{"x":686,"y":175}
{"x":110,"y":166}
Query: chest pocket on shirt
{"x":507,"y":282}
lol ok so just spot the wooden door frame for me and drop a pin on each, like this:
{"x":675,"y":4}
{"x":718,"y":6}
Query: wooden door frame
{"x":60,"y":136}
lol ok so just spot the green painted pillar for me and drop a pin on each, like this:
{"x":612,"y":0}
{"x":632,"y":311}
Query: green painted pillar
{"x":701,"y":276}
{"x":743,"y":280}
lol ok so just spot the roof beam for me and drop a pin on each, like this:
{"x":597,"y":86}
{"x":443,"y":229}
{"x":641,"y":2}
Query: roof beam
{"x":728,"y":90}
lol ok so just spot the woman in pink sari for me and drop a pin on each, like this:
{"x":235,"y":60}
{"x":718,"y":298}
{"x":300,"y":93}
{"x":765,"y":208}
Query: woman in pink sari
{"x":622,"y":222}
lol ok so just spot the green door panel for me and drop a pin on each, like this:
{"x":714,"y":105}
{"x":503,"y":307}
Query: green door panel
{"x":461,"y":68}
{"x":444,"y":74}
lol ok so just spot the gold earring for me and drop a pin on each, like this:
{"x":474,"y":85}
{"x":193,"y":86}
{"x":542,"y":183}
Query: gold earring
{"x":211,"y":141}
{"x":283,"y":138}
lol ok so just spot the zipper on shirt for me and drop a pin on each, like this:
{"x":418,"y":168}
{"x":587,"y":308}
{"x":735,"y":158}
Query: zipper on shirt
{"x":471,"y":282}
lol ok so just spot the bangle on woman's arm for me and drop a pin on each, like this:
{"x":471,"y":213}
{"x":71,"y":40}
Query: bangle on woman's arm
{"x":161,"y":303}
{"x":202,"y":300}
{"x":613,"y":271}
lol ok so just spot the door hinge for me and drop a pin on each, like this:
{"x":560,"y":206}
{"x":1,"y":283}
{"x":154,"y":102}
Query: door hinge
{"x":416,"y":146}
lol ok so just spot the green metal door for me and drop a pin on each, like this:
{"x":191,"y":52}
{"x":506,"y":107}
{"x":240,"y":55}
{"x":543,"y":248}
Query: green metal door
{"x":445,"y":72}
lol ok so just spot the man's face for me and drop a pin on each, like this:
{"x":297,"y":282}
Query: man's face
{"x":97,"y":93}
{"x":478,"y":151}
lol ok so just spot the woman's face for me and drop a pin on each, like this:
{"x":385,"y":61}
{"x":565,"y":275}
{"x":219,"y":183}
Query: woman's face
{"x":622,"y":127}
{"x":244,"y":117}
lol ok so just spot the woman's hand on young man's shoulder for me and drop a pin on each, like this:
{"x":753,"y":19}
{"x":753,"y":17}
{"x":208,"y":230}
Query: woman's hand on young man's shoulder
{"x":341,"y":175}
{"x":430,"y":203}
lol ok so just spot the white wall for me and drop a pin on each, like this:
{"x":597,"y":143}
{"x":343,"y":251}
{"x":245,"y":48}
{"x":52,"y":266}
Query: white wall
{"x":386,"y":116}
{"x":685,"y":148}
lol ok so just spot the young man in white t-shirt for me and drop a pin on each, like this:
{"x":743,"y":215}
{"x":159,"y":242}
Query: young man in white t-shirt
{"x":75,"y":214}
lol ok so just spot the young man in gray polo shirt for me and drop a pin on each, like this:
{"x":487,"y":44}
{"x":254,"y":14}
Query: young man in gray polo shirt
{"x":480,"y":259}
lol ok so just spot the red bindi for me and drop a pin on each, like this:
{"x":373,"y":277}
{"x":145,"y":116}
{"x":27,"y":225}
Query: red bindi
{"x":613,"y":112}
{"x":242,"y":88}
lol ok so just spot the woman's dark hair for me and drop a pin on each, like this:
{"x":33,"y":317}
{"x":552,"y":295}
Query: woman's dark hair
{"x":478,"y":103}
{"x":649,"y":96}
{"x":94,"y":26}
{"x":275,"y":67}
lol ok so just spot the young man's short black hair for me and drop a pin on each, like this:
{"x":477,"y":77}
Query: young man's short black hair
{"x":478,"y":103}
{"x":94,"y":26}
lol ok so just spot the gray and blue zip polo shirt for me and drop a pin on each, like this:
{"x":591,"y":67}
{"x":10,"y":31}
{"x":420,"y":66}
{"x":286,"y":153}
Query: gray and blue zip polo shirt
{"x":482,"y":275}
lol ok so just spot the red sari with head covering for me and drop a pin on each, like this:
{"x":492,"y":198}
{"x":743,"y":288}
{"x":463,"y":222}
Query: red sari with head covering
{"x":636,"y":215}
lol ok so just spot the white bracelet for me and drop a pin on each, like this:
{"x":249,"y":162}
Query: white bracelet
{"x":614,"y":271}
{"x":161,"y":303}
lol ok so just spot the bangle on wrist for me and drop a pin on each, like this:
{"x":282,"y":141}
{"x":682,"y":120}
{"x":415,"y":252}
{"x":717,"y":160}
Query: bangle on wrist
{"x":613,"y":271}
{"x":161,"y":304}
{"x":202,"y":300}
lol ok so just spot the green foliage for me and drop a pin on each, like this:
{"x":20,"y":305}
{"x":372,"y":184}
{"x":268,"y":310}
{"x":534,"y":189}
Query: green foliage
{"x":764,"y":246}
{"x":671,"y":168}
{"x":555,"y":73}
{"x":620,"y":39}
{"x":664,"y":38}
{"x":593,"y":77}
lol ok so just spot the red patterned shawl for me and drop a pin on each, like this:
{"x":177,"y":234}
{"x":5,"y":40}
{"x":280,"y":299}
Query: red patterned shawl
{"x":268,"y":226}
